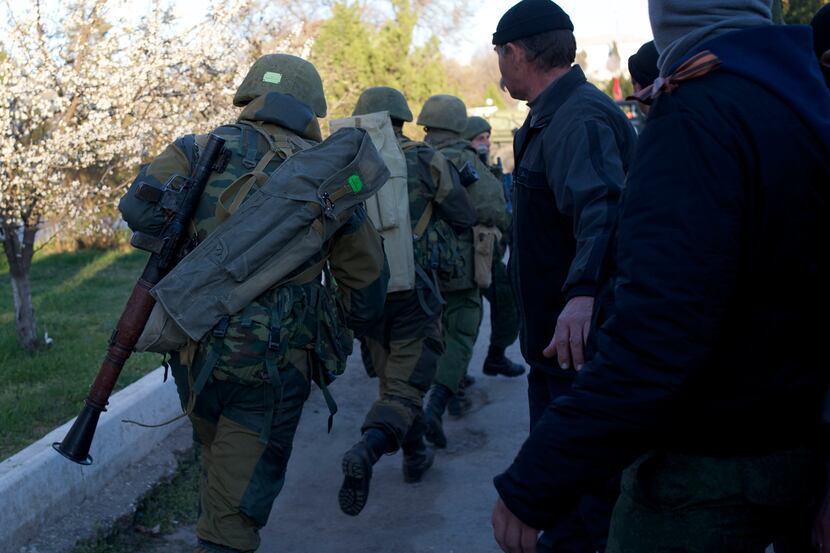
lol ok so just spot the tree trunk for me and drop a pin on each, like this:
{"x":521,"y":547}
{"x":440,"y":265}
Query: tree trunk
{"x":19,"y":255}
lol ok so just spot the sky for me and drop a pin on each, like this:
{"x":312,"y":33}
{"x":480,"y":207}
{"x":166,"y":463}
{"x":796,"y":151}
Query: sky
{"x":596,"y":22}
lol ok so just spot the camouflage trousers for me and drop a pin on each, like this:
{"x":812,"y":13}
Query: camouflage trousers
{"x":240,"y":475}
{"x":460,"y":323}
{"x":504,"y":316}
{"x":673,"y":503}
{"x":402,"y":349}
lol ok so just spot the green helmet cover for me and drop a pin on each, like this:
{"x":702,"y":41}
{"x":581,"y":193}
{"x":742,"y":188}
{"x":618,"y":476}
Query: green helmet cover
{"x":475,"y":126}
{"x":383,"y":98}
{"x":444,"y":111}
{"x":286,"y":74}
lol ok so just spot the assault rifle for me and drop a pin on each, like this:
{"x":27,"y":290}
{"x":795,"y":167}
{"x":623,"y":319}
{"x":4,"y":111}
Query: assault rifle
{"x":165,"y":253}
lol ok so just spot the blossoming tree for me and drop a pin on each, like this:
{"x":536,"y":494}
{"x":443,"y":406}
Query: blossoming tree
{"x":86,"y":93}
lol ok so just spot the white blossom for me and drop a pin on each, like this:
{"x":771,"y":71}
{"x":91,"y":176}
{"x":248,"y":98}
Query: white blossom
{"x":86,"y":96}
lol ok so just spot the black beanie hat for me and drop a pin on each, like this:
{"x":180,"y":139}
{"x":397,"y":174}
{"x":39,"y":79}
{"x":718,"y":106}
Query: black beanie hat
{"x":643,"y":64}
{"x":531,"y":17}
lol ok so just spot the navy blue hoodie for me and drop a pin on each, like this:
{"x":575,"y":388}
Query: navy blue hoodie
{"x":707,"y":341}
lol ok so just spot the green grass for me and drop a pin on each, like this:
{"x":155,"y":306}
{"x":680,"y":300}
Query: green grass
{"x":78,"y":298}
{"x":171,"y":504}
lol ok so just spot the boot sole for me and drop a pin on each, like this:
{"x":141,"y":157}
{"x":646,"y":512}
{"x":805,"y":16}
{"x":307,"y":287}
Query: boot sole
{"x":500,"y":373}
{"x":354,"y":493}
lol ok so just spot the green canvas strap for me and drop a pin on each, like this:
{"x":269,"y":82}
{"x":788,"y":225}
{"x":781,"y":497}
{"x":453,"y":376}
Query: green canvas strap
{"x":411,"y":145}
{"x":275,"y":382}
{"x":280,"y":143}
{"x":217,"y":341}
{"x":241,"y":187}
{"x":432,"y":286}
{"x":330,"y":403}
{"x":423,"y":222}
{"x":321,"y":378}
{"x":249,"y":145}
{"x":275,"y":351}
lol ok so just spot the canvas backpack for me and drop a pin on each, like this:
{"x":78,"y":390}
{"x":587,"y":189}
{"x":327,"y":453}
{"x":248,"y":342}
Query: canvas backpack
{"x":436,"y":246}
{"x":389,"y":208}
{"x":247,"y":164}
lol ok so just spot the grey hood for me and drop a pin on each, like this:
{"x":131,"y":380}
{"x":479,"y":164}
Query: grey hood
{"x":681,"y":25}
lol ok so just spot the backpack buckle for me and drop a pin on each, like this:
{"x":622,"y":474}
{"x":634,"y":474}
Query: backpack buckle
{"x":274,"y":344}
{"x":328,"y":205}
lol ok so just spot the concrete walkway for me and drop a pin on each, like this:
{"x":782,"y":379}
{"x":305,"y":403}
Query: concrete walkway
{"x":448,"y":512}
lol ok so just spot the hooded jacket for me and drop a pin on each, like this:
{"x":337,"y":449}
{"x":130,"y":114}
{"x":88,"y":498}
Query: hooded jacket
{"x":705,"y":344}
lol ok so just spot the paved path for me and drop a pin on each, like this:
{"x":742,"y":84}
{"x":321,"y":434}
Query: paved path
{"x":448,"y":512}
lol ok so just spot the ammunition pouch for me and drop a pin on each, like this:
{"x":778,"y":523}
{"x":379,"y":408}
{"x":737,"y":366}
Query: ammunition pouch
{"x":484,"y":244}
{"x":438,"y":252}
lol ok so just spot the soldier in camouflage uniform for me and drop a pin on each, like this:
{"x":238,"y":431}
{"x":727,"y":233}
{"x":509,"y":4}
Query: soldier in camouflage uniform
{"x":244,"y":385}
{"x":403,"y":347}
{"x":504,"y":317}
{"x":445,"y":118}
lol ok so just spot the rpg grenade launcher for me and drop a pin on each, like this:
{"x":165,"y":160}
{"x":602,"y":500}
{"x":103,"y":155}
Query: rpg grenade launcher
{"x":165,"y":252}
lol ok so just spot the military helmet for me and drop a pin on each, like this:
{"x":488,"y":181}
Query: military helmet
{"x":286,"y":74}
{"x":444,"y":111}
{"x":475,"y":126}
{"x":383,"y":98}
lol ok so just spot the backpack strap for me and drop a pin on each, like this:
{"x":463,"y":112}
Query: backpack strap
{"x":283,"y":144}
{"x":206,"y":369}
{"x":431,"y":282}
{"x":422,"y":223}
{"x":241,"y":187}
{"x":249,"y":145}
{"x":411,"y":145}
{"x":276,"y":350}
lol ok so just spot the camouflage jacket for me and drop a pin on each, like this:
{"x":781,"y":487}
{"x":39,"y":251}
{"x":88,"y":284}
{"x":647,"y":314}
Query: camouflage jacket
{"x":486,"y":195}
{"x":431,"y":179}
{"x":305,"y":313}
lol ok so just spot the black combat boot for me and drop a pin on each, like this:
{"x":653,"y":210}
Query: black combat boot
{"x":496,"y":363}
{"x":467,"y":381}
{"x":459,"y":403}
{"x":417,"y":459}
{"x":438,"y":398}
{"x":357,"y":469}
{"x":417,"y":455}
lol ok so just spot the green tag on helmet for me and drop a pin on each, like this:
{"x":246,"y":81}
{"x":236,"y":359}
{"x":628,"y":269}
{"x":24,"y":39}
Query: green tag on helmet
{"x":355,"y":183}
{"x":271,"y":77}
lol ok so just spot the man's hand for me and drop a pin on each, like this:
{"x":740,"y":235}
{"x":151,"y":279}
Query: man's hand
{"x":512,"y":535}
{"x":571,"y":333}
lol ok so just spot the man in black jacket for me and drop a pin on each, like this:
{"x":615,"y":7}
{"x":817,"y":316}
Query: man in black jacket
{"x":571,"y":156}
{"x":707,"y":375}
